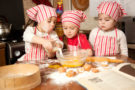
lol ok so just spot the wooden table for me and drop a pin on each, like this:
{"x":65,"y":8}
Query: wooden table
{"x":47,"y":85}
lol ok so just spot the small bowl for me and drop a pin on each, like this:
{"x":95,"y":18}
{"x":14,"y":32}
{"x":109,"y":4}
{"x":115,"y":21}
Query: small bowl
{"x":72,"y":58}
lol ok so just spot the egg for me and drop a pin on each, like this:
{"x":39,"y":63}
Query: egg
{"x":62,"y":69}
{"x":87,"y":67}
{"x":95,"y":70}
{"x":70,"y":73}
{"x":80,"y":70}
{"x":104,"y":64}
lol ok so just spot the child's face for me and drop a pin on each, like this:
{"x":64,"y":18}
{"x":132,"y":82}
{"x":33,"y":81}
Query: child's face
{"x":70,"y":30}
{"x":106,"y":22}
{"x":48,"y":25}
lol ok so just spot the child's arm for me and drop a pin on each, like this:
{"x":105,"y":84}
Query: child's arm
{"x":47,"y":44}
{"x":92,"y":37}
{"x":123,"y":44}
{"x":85,"y":44}
{"x":29,"y":36}
{"x":44,"y":42}
{"x":56,"y":41}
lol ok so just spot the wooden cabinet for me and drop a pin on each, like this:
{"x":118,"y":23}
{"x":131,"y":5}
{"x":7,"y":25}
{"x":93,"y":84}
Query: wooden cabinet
{"x":131,"y":53}
{"x":2,"y":54}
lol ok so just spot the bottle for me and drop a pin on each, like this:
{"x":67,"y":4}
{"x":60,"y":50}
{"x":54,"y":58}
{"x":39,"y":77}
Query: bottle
{"x":59,"y":12}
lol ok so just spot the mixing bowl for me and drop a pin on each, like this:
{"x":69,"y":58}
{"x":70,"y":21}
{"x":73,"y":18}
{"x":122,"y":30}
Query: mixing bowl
{"x":72,"y":58}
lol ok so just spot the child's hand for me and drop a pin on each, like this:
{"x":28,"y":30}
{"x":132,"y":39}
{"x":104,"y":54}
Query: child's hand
{"x":58,"y":45}
{"x":89,"y":52}
{"x":51,"y":54}
{"x":55,"y":44}
{"x":47,"y":44}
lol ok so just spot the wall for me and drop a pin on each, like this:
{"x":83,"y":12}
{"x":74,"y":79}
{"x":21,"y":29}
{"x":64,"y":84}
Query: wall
{"x":12,"y":10}
{"x":27,"y":4}
{"x":89,"y":24}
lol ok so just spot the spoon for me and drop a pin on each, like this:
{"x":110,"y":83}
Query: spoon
{"x":58,"y":49}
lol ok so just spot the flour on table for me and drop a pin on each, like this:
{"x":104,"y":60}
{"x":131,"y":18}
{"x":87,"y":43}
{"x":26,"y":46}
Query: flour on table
{"x":61,"y":78}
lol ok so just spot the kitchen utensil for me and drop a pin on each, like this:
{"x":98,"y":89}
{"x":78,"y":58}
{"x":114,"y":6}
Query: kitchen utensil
{"x":5,"y":28}
{"x":58,"y":50}
{"x":72,"y":58}
{"x":19,"y":77}
{"x":80,"y":4}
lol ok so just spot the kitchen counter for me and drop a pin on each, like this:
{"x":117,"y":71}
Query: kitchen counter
{"x":131,"y":51}
{"x":131,"y":46}
{"x":47,"y":84}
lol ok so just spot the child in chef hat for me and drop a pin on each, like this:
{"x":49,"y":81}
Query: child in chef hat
{"x":106,"y":39}
{"x":72,"y":39}
{"x":40,"y":40}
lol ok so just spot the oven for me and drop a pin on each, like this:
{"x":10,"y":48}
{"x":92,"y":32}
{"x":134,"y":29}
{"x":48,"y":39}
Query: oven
{"x":14,"y":44}
{"x":14,"y":50}
{"x":14,"y":41}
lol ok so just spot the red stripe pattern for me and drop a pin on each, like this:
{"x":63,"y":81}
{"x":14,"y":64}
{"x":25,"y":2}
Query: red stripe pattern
{"x":105,"y":45}
{"x":112,"y":9}
{"x":73,"y":16}
{"x":41,"y":12}
{"x":36,"y":52}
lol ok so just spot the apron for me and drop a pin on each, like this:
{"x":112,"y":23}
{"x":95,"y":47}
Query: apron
{"x":73,"y":47}
{"x":105,"y":45}
{"x":36,"y":52}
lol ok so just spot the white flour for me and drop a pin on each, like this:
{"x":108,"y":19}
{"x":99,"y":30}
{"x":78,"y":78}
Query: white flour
{"x":12,"y":75}
{"x":61,"y":78}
